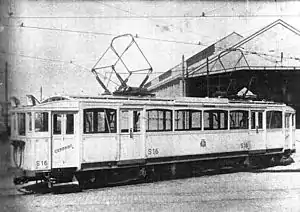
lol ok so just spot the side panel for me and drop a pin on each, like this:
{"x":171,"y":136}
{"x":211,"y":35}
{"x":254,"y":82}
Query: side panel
{"x":257,"y":141}
{"x":193,"y":143}
{"x":41,"y":154}
{"x":275,"y":138}
{"x":99,"y":147}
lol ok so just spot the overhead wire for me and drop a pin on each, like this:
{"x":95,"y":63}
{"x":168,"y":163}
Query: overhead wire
{"x":51,"y":60}
{"x":103,"y":33}
{"x":155,"y":17}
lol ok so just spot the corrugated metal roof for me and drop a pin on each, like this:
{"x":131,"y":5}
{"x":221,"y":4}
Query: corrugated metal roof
{"x":272,"y":47}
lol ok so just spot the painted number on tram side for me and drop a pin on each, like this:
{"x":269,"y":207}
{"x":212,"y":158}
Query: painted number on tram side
{"x":153,"y":151}
{"x":41,"y":164}
{"x":244,"y":145}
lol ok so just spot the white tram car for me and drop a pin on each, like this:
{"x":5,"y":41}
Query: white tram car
{"x":65,"y":137}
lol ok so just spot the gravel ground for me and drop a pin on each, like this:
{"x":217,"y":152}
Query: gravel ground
{"x":272,"y":189}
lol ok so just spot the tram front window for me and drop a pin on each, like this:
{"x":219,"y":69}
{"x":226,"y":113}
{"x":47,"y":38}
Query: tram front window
{"x":274,"y":119}
{"x":41,"y":122}
{"x":21,"y":123}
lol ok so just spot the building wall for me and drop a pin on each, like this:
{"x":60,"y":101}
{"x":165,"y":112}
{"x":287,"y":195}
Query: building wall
{"x":171,"y":89}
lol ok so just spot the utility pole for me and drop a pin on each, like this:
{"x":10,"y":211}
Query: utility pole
{"x":207,"y":78}
{"x":187,"y":87}
{"x":183,"y":78}
{"x":41,"y":94}
{"x":6,"y":95}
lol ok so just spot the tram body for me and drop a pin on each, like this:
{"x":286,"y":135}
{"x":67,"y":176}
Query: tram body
{"x":69,"y":135}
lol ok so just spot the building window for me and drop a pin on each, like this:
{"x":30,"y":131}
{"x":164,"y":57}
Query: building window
{"x":21,"y":123}
{"x":238,"y":119}
{"x":41,"y":122}
{"x":100,"y":120}
{"x":274,"y":119}
{"x":188,"y":120}
{"x":159,"y":120}
{"x":215,"y":120}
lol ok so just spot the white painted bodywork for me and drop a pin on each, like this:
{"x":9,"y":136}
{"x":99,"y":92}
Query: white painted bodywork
{"x":125,"y":146}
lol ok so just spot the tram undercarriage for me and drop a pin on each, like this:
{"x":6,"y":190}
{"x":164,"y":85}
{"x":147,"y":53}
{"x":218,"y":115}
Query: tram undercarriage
{"x":96,"y":178}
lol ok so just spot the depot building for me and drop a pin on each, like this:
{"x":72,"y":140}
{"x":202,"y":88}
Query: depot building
{"x":266,"y":65}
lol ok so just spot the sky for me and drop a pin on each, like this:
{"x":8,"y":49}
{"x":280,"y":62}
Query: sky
{"x":54,"y":44}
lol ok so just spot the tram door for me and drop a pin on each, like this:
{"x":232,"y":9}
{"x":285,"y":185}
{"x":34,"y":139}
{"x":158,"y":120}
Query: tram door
{"x":131,"y":136}
{"x":257,"y":133}
{"x":64,"y":139}
{"x":288,"y":131}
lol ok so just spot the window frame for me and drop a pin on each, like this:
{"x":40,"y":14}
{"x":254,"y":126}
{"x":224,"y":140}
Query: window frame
{"x":107,"y":123}
{"x":44,"y":122}
{"x":219,"y":112}
{"x":187,"y":113}
{"x":245,"y":120}
{"x":258,"y":120}
{"x":23,"y":133}
{"x":158,"y":118}
{"x":268,"y":125}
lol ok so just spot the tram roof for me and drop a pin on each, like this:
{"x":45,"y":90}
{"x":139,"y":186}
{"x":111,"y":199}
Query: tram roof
{"x":72,"y":103}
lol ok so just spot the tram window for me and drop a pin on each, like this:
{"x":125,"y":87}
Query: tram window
{"x":287,"y":120}
{"x":29,"y":116}
{"x":256,"y":123}
{"x":88,"y":122}
{"x":57,"y":119}
{"x":70,"y":124}
{"x":100,"y":120}
{"x":14,"y":122}
{"x":274,"y":119}
{"x":215,"y":120}
{"x":260,"y":120}
{"x":41,"y":122}
{"x":187,"y":120}
{"x":293,"y":120}
{"x":253,"y":118}
{"x":21,"y":123}
{"x":124,"y":121}
{"x":136,"y":121}
{"x":238,"y":119}
{"x":159,"y":120}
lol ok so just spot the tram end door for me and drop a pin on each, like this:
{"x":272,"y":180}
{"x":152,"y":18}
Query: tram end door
{"x":257,"y":133}
{"x":64,"y":140}
{"x":132,"y":148}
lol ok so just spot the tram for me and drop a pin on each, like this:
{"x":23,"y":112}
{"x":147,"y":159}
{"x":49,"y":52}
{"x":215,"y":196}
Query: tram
{"x":91,"y":138}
